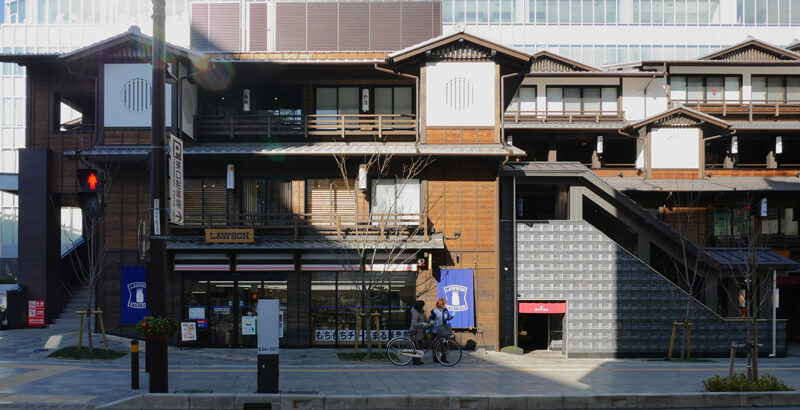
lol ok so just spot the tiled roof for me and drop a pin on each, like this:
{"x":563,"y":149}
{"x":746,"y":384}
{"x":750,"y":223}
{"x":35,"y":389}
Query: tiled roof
{"x":707,"y":185}
{"x":313,"y":148}
{"x":564,"y":125}
{"x":352,"y":148}
{"x":302,"y":56}
{"x":736,"y":257}
{"x":435,"y":241}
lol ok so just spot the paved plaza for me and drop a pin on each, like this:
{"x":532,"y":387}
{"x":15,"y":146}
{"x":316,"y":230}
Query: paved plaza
{"x":29,"y":378}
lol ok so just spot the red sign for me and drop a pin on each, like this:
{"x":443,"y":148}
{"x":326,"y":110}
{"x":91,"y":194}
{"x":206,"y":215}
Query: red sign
{"x":35,"y":313}
{"x":542,"y":307}
{"x":92,"y":181}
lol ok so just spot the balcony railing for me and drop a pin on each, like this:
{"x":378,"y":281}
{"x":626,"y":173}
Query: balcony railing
{"x":244,"y":127}
{"x":298,"y":225}
{"x":750,"y":108}
{"x":568,"y":116}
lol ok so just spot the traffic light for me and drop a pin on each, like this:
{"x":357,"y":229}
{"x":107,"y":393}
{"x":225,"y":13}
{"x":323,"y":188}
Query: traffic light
{"x":90,"y":192}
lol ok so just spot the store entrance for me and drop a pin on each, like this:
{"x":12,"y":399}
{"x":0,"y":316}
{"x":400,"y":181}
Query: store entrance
{"x":225,"y":310}
{"x":541,"y":326}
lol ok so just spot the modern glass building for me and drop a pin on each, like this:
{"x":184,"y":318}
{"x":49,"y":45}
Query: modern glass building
{"x":607,"y":32}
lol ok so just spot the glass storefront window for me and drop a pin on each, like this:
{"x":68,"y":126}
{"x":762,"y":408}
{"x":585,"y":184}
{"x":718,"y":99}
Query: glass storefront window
{"x":323,"y":307}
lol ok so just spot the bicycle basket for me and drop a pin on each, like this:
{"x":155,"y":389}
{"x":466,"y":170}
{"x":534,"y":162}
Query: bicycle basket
{"x":445,"y":330}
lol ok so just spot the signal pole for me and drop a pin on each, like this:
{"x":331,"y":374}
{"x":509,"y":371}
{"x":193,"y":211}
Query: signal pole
{"x":157,"y":266}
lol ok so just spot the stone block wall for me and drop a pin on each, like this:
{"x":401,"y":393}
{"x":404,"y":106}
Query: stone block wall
{"x":617,"y":306}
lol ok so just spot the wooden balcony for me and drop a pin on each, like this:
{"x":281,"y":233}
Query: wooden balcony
{"x":753,"y":108}
{"x":564,"y":116}
{"x":255,"y":127}
{"x":309,"y":224}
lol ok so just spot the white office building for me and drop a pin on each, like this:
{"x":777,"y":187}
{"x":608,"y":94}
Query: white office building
{"x":607,"y":32}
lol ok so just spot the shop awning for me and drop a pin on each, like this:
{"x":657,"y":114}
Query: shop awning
{"x":542,"y":307}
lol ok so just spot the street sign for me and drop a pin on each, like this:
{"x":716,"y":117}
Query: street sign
{"x":175,"y":180}
{"x":35,"y":313}
{"x":268,"y":326}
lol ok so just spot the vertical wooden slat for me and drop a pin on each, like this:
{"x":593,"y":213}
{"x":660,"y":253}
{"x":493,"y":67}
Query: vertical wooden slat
{"x":198,"y":37}
{"x":384,"y":28}
{"x":353,"y":27}
{"x":224,"y":33}
{"x":258,"y":27}
{"x":322,"y":26}
{"x":290,"y":31}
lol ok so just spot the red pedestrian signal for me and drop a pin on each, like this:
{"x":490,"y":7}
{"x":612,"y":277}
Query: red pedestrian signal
{"x":92,"y":181}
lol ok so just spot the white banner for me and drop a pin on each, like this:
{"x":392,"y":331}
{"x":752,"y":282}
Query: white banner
{"x":329,"y":335}
{"x":175,"y":180}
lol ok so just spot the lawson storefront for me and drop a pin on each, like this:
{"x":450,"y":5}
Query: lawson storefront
{"x":319,"y":294}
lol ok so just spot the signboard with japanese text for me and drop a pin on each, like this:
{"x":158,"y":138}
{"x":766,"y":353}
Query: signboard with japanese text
{"x":175,"y":180}
{"x":35,"y":313}
{"x":188,"y":331}
{"x":457,"y":286}
{"x":248,"y":325}
{"x":229,"y":236}
{"x":268,"y":326}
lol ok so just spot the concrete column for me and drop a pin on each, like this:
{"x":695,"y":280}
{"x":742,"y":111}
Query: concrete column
{"x":643,"y":246}
{"x":596,"y":159}
{"x":562,"y":199}
{"x":575,"y":199}
{"x":772,"y":163}
{"x":712,"y":282}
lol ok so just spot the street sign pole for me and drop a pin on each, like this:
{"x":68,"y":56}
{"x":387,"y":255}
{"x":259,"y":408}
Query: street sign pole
{"x":268,"y":349}
{"x":157,"y":269}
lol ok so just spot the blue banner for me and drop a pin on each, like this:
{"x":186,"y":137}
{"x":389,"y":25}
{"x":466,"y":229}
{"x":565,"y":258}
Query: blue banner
{"x":133,"y":294}
{"x":457,"y":286}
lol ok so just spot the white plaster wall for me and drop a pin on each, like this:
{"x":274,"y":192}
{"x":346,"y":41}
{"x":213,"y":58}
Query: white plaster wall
{"x":116,"y":113}
{"x":675,"y":148}
{"x":643,"y":97}
{"x":476,"y":109}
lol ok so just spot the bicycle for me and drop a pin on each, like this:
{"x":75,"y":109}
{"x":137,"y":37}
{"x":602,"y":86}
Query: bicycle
{"x":401,"y":349}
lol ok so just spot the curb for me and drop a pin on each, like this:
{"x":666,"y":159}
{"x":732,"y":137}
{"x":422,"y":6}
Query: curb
{"x":434,"y":401}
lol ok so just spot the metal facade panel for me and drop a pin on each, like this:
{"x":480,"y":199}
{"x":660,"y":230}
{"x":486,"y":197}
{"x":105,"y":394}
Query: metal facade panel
{"x":384,"y":28}
{"x":323,"y":26}
{"x":225,"y":30}
{"x":290,"y":30}
{"x":417,"y":23}
{"x":353,"y":27}
{"x":437,"y":18}
{"x":198,"y":37}
{"x":258,"y":27}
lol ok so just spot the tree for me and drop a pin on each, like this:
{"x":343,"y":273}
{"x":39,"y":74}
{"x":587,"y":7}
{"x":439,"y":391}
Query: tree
{"x":381,"y":235}
{"x":689,"y":270}
{"x":745,"y":270}
{"x":90,"y":266}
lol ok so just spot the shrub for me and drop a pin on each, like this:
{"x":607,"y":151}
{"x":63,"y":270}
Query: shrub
{"x":739,"y":383}
{"x":156,"y":328}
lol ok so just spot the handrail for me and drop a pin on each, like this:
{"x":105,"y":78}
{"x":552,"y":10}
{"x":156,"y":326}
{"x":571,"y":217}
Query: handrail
{"x":319,"y":221}
{"x":571,"y":116}
{"x":343,"y":125}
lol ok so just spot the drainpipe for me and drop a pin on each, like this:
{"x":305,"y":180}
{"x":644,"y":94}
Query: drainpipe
{"x":416,"y":99}
{"x":503,"y":107}
{"x":514,"y":233}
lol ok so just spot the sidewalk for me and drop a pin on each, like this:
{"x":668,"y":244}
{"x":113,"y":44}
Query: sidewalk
{"x":28,"y":377}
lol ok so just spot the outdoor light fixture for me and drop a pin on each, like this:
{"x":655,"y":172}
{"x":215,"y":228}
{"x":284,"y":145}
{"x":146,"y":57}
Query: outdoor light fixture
{"x":734,"y":145}
{"x":510,"y":140}
{"x":362,"y":176}
{"x":599,"y":144}
{"x":230,"y":176}
{"x":742,"y":298}
{"x":246,"y":100}
{"x":779,"y":145}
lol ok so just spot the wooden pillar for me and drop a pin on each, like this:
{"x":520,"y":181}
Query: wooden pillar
{"x":552,"y":152}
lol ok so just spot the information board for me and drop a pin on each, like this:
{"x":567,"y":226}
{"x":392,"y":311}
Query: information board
{"x":188,"y":331}
{"x":35,"y":313}
{"x":268,"y":326}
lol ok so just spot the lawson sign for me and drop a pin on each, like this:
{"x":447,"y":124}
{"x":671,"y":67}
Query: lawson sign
{"x":229,"y":236}
{"x":457,"y":286}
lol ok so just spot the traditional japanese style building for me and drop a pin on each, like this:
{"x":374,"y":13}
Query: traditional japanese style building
{"x":548,"y":191}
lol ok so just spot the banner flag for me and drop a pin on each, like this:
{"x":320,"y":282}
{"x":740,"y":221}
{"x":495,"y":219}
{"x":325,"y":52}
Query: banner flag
{"x":133,"y":294}
{"x":457,"y":286}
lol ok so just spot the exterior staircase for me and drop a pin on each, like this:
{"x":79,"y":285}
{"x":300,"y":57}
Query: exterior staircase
{"x":68,"y":320}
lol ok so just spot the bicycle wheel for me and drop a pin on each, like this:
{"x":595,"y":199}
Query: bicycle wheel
{"x":395,"y":349}
{"x":447,"y":352}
